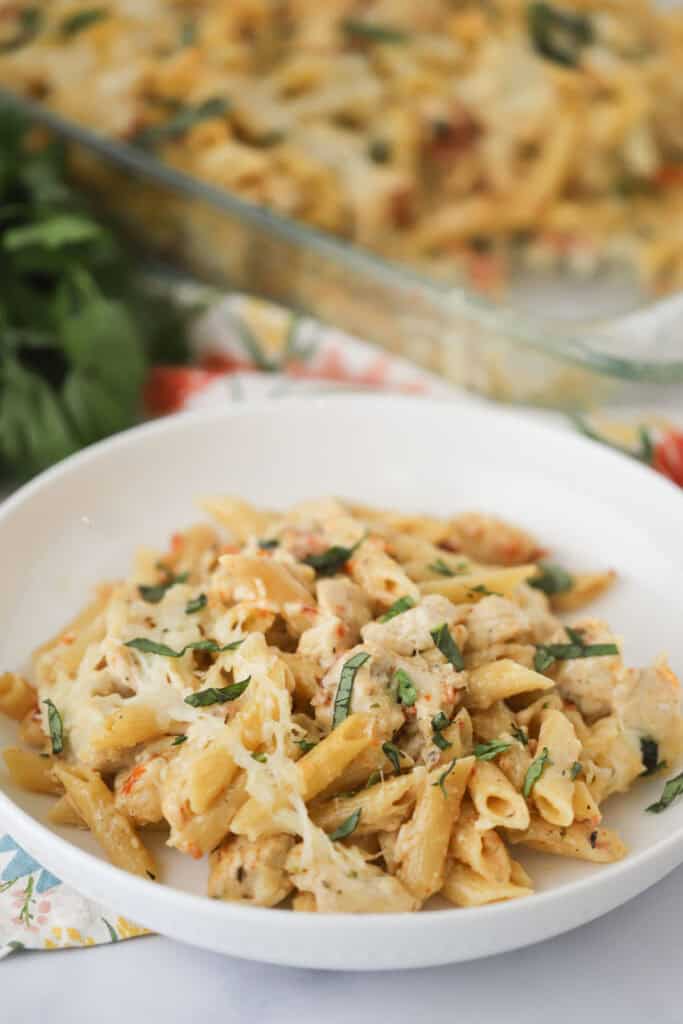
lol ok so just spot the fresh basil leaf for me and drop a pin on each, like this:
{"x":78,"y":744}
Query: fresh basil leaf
{"x":34,"y":432}
{"x":672,"y":789}
{"x":373,"y":779}
{"x":147,"y":646}
{"x":440,"y":782}
{"x":403,"y":604}
{"x":575,"y":770}
{"x":446,"y":644}
{"x":218,"y":694}
{"x":260,"y":757}
{"x":439,"y":722}
{"x":154,"y":592}
{"x":269,"y":544}
{"x":196,"y":604}
{"x":520,"y":735}
{"x":56,"y":232}
{"x":552,"y":579}
{"x":547,"y":654}
{"x":441,"y":568}
{"x":535,"y":770}
{"x":487,"y":751}
{"x":80,"y":20}
{"x":394,"y":755}
{"x":347,"y":827}
{"x":649,"y":753}
{"x":481,"y":589}
{"x":178,"y":740}
{"x":407,"y":691}
{"x":180,"y":122}
{"x":30,"y":24}
{"x":333,"y":560}
{"x":557,"y":34}
{"x":344,"y":694}
{"x":56,"y":727}
{"x":305,"y":745}
{"x":373,"y":32}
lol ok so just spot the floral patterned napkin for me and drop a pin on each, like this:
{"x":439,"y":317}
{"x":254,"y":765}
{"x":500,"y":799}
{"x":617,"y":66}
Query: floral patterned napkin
{"x":248,"y":349}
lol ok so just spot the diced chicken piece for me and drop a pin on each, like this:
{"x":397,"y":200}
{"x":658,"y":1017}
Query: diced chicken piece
{"x":410,"y":631}
{"x":490,"y":540}
{"x":137,"y":790}
{"x":323,"y":642}
{"x":381,"y":576}
{"x":345,"y":599}
{"x":542,"y":622}
{"x":648,"y":702}
{"x":251,"y":872}
{"x":495,"y":620}
{"x":372,"y":691}
{"x":613,"y":758}
{"x":589,"y":682}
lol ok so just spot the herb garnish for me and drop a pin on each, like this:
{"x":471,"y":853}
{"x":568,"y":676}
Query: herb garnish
{"x":75,"y":23}
{"x":373,"y":33}
{"x":147,"y":646}
{"x":535,"y":770}
{"x":154,"y":592}
{"x":182,"y":119}
{"x":487,"y":751}
{"x":407,"y":691}
{"x":260,"y":757}
{"x":347,"y":827}
{"x":552,"y":579}
{"x":178,"y":740}
{"x":269,"y":544}
{"x":444,"y":775}
{"x":575,"y":770}
{"x":373,"y":779}
{"x":393,"y":754}
{"x":342,"y":700}
{"x":520,"y":735}
{"x":481,"y":589}
{"x":305,"y":745}
{"x":30,"y":24}
{"x":217,"y":694}
{"x":672,"y":789}
{"x":649,"y":753}
{"x":56,"y":726}
{"x":196,"y":604}
{"x":379,"y":151}
{"x":403,"y":604}
{"x":333,"y":560}
{"x":444,"y":641}
{"x":547,"y":654}
{"x":439,"y":723}
{"x":558,"y":35}
{"x":439,"y":566}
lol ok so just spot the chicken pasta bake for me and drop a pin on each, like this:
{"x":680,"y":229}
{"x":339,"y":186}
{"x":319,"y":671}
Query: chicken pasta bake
{"x":460,"y":138}
{"x":344,"y":709}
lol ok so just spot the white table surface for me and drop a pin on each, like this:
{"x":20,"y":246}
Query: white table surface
{"x":624,"y":967}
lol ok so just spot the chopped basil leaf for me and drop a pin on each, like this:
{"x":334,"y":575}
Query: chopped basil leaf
{"x":547,"y":654}
{"x":217,"y":694}
{"x":403,"y":604}
{"x":195,"y":605}
{"x":444,"y":775}
{"x":373,"y":33}
{"x":154,"y":592}
{"x":575,"y":770}
{"x":178,"y":740}
{"x":56,"y":726}
{"x":520,"y":735}
{"x":30,"y":24}
{"x":342,"y":700}
{"x":558,"y":35}
{"x":672,"y":789}
{"x":649,"y":753}
{"x":181,"y":121}
{"x":393,"y":754}
{"x":444,"y":641}
{"x":306,"y":745}
{"x":407,"y":691}
{"x":481,"y":589}
{"x":269,"y":544}
{"x":147,"y":646}
{"x":331,"y":561}
{"x":260,"y":757}
{"x":379,"y":151}
{"x":75,"y":23}
{"x":188,"y":33}
{"x":347,"y":827}
{"x":552,"y":579}
{"x":487,"y":751}
{"x":441,"y":568}
{"x":439,"y":722}
{"x":535,"y":770}
{"x":373,"y":779}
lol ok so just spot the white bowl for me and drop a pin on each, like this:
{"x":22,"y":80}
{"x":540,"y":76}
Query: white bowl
{"x":81,"y":521}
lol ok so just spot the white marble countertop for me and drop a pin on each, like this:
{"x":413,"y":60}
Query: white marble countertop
{"x":623,"y":967}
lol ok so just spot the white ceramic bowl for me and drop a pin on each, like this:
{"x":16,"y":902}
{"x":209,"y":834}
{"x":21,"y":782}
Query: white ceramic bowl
{"x":81,"y":521}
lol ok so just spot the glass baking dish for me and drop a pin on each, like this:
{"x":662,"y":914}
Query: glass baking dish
{"x":500,"y":350}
